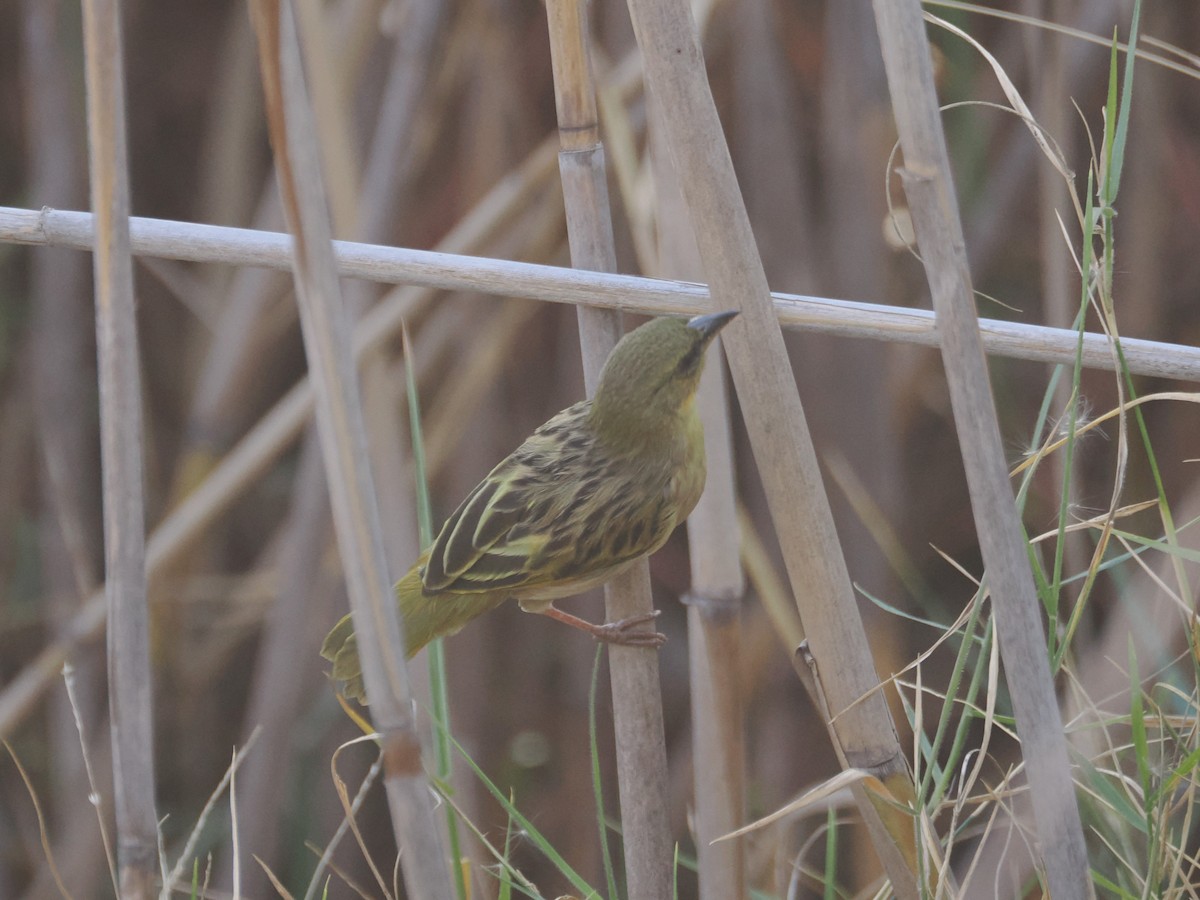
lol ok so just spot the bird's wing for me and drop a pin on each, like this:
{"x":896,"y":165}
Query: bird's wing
{"x":555,"y":510}
{"x":472,"y":552}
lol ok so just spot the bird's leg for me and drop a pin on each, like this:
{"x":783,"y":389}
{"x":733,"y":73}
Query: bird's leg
{"x":619,"y":632}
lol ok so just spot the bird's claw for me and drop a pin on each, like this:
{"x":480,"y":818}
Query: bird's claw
{"x":621,"y":632}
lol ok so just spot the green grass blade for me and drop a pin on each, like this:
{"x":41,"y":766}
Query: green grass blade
{"x":830,"y":891}
{"x":1058,"y":650}
{"x":1116,"y":158}
{"x":424,"y":509}
{"x":534,"y":836}
{"x":440,"y":698}
{"x":1137,"y":726}
{"x":597,"y":786}
{"x":1115,"y":798}
{"x":965,"y":719}
{"x":947,"y":713}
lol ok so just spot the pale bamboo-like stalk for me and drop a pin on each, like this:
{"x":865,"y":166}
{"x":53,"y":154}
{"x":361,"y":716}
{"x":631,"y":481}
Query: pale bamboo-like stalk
{"x":930,"y":189}
{"x":344,"y":447}
{"x":636,"y":694}
{"x":279,"y":686}
{"x":226,"y":186}
{"x":385,"y":189}
{"x":361,"y":211}
{"x":331,"y":111}
{"x":775,"y":422}
{"x":130,"y":688}
{"x":272,"y":435}
{"x":718,"y":585}
{"x":472,"y":274}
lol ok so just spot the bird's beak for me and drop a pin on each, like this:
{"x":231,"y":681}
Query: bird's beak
{"x":709,"y":325}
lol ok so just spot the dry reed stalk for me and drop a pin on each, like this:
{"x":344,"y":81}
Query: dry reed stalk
{"x":272,"y":435}
{"x":254,"y":312}
{"x":279,"y":683}
{"x":389,"y":172}
{"x":228,"y":184}
{"x":390,"y":166}
{"x":639,"y":737}
{"x":60,"y":387}
{"x":130,"y":688}
{"x":930,"y":189}
{"x":472,"y":274}
{"x":247,"y":331}
{"x":854,"y":138}
{"x":343,"y":442}
{"x":718,"y":585}
{"x":782,"y":445}
{"x":332,"y":109}
{"x":854,"y":151}
{"x":234,"y":188}
{"x":715,"y":655}
{"x":767,"y":143}
{"x":361,"y":212}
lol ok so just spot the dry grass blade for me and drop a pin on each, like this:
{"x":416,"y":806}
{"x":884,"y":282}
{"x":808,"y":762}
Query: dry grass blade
{"x":234,"y":830}
{"x":130,"y":684}
{"x":1084,"y":427}
{"x":325,"y":860}
{"x":930,"y":191}
{"x":273,"y":878}
{"x":189,"y":847}
{"x":1190,"y":66}
{"x":41,"y":820}
{"x":94,"y":795}
{"x":1044,"y":141}
{"x":350,"y":808}
{"x":842,"y":780}
{"x":343,"y":442}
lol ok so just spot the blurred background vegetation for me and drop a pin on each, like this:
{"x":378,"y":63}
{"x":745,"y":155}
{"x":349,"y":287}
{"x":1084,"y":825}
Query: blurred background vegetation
{"x":238,"y":618}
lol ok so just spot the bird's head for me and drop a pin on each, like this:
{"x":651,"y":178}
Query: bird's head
{"x":651,"y":376}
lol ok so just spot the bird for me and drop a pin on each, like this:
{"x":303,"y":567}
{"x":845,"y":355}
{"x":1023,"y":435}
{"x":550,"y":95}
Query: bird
{"x":599,"y":486}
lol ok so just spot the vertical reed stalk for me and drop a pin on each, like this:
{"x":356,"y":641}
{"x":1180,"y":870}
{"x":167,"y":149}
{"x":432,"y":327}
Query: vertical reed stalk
{"x":714,"y":605}
{"x":776,"y":425}
{"x":343,"y":443}
{"x":930,"y":190}
{"x":129,"y":683}
{"x":637,"y":702}
{"x":361,"y":211}
{"x":61,"y":391}
{"x":715,"y":652}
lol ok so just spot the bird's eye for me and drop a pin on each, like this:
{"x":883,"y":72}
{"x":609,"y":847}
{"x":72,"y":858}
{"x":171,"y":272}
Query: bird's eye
{"x":690,"y":360}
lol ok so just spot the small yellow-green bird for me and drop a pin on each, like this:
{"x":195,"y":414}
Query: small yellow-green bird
{"x":592,"y":491}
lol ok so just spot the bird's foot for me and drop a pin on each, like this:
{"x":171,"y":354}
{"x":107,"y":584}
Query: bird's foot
{"x":621,"y":632}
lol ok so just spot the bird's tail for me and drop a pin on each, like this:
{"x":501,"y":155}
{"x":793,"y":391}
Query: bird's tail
{"x":425,"y":616}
